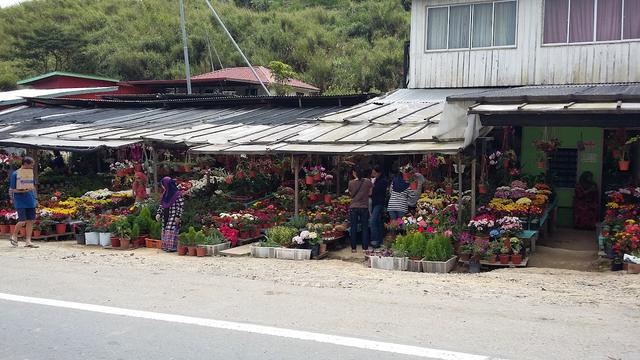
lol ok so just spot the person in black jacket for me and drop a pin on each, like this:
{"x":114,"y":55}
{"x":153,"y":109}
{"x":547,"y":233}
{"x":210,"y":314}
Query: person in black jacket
{"x":378,"y":201}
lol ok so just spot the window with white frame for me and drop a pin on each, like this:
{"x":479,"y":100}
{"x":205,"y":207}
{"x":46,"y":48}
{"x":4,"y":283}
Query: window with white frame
{"x":577,"y":21}
{"x":476,"y":25}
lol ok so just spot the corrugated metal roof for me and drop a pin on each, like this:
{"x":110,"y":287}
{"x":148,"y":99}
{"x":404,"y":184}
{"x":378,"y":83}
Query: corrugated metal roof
{"x":555,"y":93}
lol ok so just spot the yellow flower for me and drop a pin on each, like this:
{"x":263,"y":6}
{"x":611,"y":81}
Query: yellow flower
{"x":523,"y":201}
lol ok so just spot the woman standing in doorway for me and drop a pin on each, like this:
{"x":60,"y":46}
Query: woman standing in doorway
{"x":585,"y":202}
{"x":170,"y":213}
{"x":378,"y":200}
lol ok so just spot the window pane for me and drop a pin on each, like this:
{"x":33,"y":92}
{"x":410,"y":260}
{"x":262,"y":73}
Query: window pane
{"x":481,"y":34}
{"x":556,"y":13}
{"x":437,"y":28}
{"x":609,"y":20}
{"x":632,"y":19}
{"x":504,"y":30}
{"x":581,"y":20}
{"x":459,"y":20}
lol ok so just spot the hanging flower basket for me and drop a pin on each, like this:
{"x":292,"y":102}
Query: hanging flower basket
{"x":624,"y":165}
{"x":482,"y":188}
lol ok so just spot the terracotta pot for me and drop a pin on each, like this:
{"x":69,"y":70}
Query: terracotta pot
{"x":624,"y":165}
{"x":482,"y":189}
{"x":116,"y":242}
{"x":492,"y":259}
{"x":317,"y":177}
{"x":4,"y":229}
{"x":192,"y":250}
{"x":465,"y":257}
{"x":12,"y":229}
{"x":540,"y":164}
{"x":37,"y":233}
{"x":328,"y":199}
{"x":504,"y":259}
{"x":479,"y":239}
{"x":308,"y":180}
{"x":406,"y":176}
{"x":125,"y":243}
{"x":182,"y":250}
{"x":516,"y":259}
{"x":413,"y":185}
{"x":201,"y":251}
{"x":61,"y":229}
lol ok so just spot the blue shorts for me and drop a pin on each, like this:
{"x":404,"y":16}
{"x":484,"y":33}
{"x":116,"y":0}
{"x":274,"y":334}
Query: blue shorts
{"x":27,"y":214}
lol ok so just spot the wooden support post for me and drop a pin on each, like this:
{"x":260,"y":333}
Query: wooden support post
{"x":296,"y":171}
{"x":473,"y":186}
{"x":154,"y":159}
{"x":338,"y":176}
{"x":460,"y":188}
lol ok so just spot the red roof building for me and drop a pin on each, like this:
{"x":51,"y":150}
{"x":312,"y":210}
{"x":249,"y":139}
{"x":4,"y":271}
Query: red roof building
{"x":67,"y":80}
{"x":230,"y":81}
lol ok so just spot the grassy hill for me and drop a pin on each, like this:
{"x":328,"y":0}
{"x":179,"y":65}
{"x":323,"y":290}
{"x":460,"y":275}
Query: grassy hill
{"x":339,"y":45}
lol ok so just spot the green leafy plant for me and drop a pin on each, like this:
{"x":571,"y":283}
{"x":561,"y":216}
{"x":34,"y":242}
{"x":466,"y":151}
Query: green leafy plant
{"x":298,"y":222}
{"x":412,"y":245}
{"x":122,"y":229}
{"x":439,"y":248}
{"x":282,"y":235}
{"x":155,"y":230}
{"x":516,"y":245}
{"x":135,"y":231}
{"x":189,"y":238}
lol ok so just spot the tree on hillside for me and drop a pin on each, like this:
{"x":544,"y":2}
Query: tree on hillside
{"x":282,"y":73}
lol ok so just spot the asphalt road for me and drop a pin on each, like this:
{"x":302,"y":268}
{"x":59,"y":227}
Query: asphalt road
{"x":453,"y":329}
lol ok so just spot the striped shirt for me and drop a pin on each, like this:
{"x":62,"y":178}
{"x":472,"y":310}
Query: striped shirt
{"x":399,"y":201}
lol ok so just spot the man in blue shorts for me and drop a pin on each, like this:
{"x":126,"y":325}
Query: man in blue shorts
{"x":25,"y":202}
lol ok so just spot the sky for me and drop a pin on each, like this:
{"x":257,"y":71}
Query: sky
{"x":5,"y":3}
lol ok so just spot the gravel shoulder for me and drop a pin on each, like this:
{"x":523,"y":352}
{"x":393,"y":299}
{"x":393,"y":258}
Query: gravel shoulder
{"x":534,"y":285}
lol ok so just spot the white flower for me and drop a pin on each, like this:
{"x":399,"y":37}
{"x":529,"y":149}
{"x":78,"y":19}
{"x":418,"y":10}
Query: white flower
{"x":313,"y":235}
{"x":304,"y":234}
{"x":298,"y":240}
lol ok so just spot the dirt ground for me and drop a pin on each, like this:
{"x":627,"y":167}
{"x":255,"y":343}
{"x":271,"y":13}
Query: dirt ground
{"x":551,"y":286}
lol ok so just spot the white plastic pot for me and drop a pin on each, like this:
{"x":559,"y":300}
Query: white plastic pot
{"x":105,"y":239}
{"x":92,"y":238}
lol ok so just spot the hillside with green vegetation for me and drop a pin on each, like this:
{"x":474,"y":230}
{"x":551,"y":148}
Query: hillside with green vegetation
{"x":341,"y":46}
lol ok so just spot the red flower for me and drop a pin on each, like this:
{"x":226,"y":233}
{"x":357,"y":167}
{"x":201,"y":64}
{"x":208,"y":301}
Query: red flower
{"x":430,"y":230}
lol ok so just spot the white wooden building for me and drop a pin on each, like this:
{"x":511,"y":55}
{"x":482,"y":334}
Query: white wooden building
{"x":458,"y":43}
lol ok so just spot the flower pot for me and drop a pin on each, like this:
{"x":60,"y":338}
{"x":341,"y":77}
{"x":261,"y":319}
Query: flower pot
{"x":4,"y":229}
{"x":492,"y":258}
{"x":315,"y":251}
{"x":317,"y":177}
{"x":448,"y":189}
{"x":201,"y":251}
{"x":192,"y":250}
{"x":406,"y":176}
{"x":414,"y":185}
{"x":540,"y":164}
{"x":516,"y":259}
{"x":504,"y":259}
{"x":92,"y":238}
{"x":105,"y":239}
{"x":323,"y":248}
{"x":482,"y":189}
{"x":465,"y":257}
{"x":61,"y":229}
{"x":80,"y":239}
{"x":480,"y":239}
{"x":37,"y":233}
{"x":12,"y":229}
{"x":474,"y":266}
{"x":125,"y":243}
{"x":139,"y":242}
{"x":308,"y":180}
{"x":328,"y":199}
{"x":115,"y":242}
{"x":624,"y":165}
{"x":182,"y":250}
{"x":616,"y":266}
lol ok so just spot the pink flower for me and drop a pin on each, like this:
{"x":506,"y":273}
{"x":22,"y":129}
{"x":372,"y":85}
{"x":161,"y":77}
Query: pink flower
{"x":448,"y":233}
{"x":430,"y":230}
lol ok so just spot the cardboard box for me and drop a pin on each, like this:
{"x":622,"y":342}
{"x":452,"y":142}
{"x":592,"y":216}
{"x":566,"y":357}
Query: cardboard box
{"x":633,"y":268}
{"x":25,"y":179}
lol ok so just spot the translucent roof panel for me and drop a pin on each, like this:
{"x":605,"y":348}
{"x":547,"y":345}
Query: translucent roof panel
{"x":343,"y":131}
{"x":314,"y":132}
{"x":413,"y":148}
{"x":398,"y":133}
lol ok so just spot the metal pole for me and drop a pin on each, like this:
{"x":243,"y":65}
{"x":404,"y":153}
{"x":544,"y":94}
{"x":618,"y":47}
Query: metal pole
{"x":210,"y":45}
{"x":296,"y":170}
{"x":185,"y":48}
{"x":459,"y":188}
{"x":215,"y":14}
{"x":473,"y":186}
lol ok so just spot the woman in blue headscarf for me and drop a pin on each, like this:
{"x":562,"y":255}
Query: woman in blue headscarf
{"x":169,"y":214}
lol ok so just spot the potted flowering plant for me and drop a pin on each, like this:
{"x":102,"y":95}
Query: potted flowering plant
{"x":516,"y":248}
{"x":481,"y":225}
{"x":504,"y":255}
{"x":448,"y":185}
{"x":545,"y":149}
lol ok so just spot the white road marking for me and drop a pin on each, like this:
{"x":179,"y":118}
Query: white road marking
{"x":255,"y":329}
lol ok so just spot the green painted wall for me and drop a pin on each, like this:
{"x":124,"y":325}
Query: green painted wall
{"x":588,"y":160}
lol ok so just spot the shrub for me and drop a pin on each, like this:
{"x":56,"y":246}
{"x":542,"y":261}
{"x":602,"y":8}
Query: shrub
{"x":412,"y":245}
{"x":282,"y":235}
{"x":439,"y":248}
{"x":155,"y":230}
{"x":135,"y":231}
